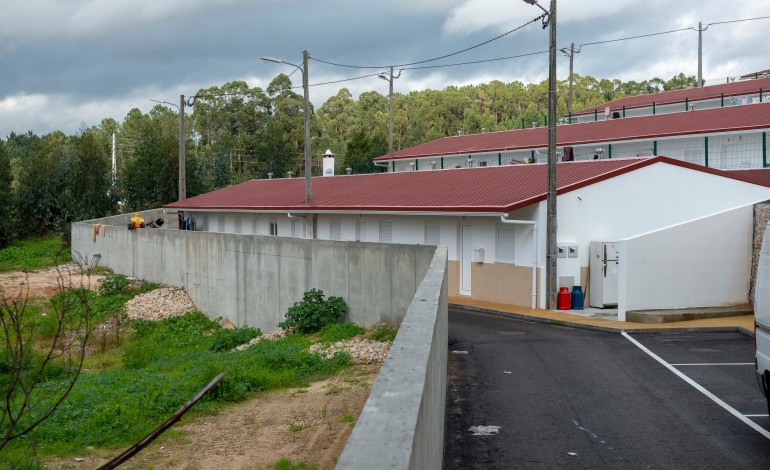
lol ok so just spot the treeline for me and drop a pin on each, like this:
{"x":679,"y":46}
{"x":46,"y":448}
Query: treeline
{"x":236,"y":133}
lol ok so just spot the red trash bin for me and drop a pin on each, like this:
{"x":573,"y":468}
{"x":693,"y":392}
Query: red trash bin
{"x":564,"y":298}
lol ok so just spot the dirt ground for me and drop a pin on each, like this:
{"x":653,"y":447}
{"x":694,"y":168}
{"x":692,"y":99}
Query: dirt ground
{"x":308,"y":424}
{"x":301,"y":424}
{"x":45,"y":282}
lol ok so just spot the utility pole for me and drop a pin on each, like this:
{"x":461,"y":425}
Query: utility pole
{"x":571,"y":55}
{"x":551,"y":223}
{"x":114,"y":160}
{"x":182,"y":175}
{"x":700,"y":54}
{"x":307,"y":128}
{"x":390,"y":77}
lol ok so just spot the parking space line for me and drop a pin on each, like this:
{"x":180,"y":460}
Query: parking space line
{"x":698,"y":387}
{"x":718,"y":364}
{"x":756,"y":416}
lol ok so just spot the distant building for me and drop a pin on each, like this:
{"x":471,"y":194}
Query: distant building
{"x":724,"y":138}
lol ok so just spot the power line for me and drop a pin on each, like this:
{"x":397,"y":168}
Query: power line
{"x":476,"y":61}
{"x":634,"y":37}
{"x":435,"y":58}
{"x":739,"y":21}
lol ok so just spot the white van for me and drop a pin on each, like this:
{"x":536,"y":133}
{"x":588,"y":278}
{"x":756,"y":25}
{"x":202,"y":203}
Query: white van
{"x":762,"y":319}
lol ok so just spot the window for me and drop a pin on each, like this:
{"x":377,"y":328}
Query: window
{"x":386,"y":231}
{"x":483,"y":163}
{"x":299,"y":229}
{"x":432,"y":233}
{"x":335,"y":230}
{"x":273,"y":228}
{"x":505,"y":244}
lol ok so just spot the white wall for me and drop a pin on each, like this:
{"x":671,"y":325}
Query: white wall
{"x":701,"y":263}
{"x":647,"y":199}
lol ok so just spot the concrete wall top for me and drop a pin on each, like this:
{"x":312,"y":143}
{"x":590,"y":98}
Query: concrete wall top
{"x":402,"y":423}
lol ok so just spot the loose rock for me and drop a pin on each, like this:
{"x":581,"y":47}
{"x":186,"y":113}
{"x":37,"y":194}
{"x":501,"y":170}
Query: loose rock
{"x":161,"y":303}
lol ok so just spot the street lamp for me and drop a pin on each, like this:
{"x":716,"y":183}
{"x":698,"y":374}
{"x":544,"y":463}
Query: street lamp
{"x":571,"y":54}
{"x":302,"y":69}
{"x":551,"y":225}
{"x":389,"y":78}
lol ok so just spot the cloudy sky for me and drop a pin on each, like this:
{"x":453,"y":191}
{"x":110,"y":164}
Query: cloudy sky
{"x":69,"y":63}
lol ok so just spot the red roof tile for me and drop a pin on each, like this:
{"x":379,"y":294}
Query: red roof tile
{"x":734,"y":118}
{"x":476,"y":190}
{"x":679,"y":96}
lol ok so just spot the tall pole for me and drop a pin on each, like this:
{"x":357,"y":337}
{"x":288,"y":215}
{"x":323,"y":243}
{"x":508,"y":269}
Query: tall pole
{"x":307,"y":128}
{"x":390,"y":112}
{"x":551,"y":224}
{"x":182,"y":176}
{"x":114,"y":160}
{"x":700,"y":54}
{"x":569,"y":97}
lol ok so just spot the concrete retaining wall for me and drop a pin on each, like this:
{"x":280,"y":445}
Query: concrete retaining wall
{"x":254,"y":279}
{"x":402,"y":423}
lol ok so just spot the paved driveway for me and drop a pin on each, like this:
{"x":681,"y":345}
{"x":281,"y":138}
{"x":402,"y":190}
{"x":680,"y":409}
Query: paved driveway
{"x":531,"y":395}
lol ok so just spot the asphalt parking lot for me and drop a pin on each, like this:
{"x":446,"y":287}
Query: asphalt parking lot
{"x":531,"y":395}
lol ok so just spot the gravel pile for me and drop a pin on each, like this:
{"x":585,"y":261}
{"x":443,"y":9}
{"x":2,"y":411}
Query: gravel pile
{"x":158,"y":304}
{"x":275,"y":334}
{"x":362,"y":351}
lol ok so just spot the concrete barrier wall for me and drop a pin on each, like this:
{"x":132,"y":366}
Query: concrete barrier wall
{"x":402,"y":423}
{"x":700,"y":263}
{"x":254,"y":279}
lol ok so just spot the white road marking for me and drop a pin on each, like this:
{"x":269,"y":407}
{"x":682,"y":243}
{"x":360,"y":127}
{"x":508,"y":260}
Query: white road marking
{"x":718,"y":364}
{"x":459,"y":352}
{"x":755,"y":416}
{"x":484,"y":430}
{"x":698,"y":387}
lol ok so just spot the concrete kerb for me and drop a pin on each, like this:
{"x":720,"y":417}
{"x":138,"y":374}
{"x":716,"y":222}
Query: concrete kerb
{"x":605,"y":329}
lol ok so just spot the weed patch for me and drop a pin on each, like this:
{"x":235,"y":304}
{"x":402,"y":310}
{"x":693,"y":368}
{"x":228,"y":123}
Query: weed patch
{"x":33,"y":253}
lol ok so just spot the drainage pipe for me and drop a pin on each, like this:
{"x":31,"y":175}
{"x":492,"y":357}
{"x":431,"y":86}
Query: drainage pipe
{"x":535,"y":254}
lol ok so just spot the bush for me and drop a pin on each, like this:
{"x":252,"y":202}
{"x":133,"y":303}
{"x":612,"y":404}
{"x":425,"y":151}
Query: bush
{"x":225,"y":339}
{"x":114,"y":284}
{"x":313,"y":312}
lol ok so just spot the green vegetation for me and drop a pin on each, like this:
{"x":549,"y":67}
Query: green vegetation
{"x":134,"y":384}
{"x":287,"y":464}
{"x":382,"y":332}
{"x":33,"y":253}
{"x":339,"y":331}
{"x":313,"y":312}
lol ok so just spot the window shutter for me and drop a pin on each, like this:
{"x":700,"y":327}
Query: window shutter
{"x":386,"y":231}
{"x":335,"y":230}
{"x":432,"y":234}
{"x":505,"y":245}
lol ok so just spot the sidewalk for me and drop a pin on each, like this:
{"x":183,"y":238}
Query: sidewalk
{"x":744,"y":323}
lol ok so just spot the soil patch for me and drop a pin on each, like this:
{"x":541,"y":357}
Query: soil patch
{"x":307,"y":424}
{"x":46,"y":282}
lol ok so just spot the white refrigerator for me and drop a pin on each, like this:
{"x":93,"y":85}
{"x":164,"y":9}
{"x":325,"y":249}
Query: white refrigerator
{"x":603,"y":274}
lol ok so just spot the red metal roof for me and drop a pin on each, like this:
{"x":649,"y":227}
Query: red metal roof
{"x":753,"y":75}
{"x":734,"y":118}
{"x":475,"y":190}
{"x":679,"y":96}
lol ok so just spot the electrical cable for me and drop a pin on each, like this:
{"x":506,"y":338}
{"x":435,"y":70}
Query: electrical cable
{"x":433,"y":59}
{"x":475,"y":61}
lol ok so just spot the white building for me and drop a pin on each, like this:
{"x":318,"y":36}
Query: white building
{"x":684,"y":231}
{"x":733,"y":137}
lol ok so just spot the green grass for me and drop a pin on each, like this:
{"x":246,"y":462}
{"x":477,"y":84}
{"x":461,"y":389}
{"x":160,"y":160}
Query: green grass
{"x":33,"y":253}
{"x":287,"y":464}
{"x":129,"y":390}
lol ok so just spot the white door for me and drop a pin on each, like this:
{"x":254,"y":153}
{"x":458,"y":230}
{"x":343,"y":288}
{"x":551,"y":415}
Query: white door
{"x":466,"y":253}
